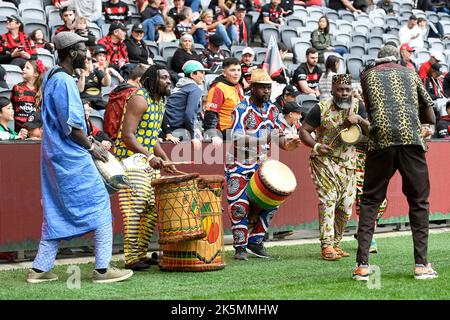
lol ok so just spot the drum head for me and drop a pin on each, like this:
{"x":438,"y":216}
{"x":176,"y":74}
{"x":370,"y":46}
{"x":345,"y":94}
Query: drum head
{"x":174,"y":179}
{"x":278,"y":177}
{"x":211,"y":178}
{"x":352,"y":135}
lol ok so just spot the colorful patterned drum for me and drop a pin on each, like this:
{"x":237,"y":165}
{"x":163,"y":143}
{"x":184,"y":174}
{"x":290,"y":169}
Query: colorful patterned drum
{"x":177,"y":202}
{"x":271,"y":185}
{"x":208,"y":253}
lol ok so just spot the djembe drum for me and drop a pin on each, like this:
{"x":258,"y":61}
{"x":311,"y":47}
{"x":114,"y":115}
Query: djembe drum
{"x":208,"y":253}
{"x":112,"y":174}
{"x":177,"y":202}
{"x":352,"y":135}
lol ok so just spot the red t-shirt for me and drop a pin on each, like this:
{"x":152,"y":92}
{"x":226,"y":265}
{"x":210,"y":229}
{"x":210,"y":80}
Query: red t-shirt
{"x":424,"y":69}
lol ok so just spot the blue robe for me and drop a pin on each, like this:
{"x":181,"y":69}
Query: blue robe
{"x":74,"y":197}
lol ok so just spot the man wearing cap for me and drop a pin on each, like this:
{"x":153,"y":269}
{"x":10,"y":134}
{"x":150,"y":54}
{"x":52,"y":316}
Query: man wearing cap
{"x":138,"y":52}
{"x":289,"y":118}
{"x":433,"y":82}
{"x":332,"y":162}
{"x":113,"y":42}
{"x":247,"y":66}
{"x":244,"y":30}
{"x":397,"y":104}
{"x":411,"y":34}
{"x":255,"y":126}
{"x":74,"y":197}
{"x":289,"y":94}
{"x":184,"y":104}
{"x":34,"y":126}
{"x":116,"y":10}
{"x":406,"y":52}
{"x":436,"y":57}
{"x":16,"y":47}
{"x":212,"y":57}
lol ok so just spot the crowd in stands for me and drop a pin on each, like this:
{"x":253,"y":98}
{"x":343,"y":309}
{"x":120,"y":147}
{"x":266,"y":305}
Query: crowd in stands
{"x":229,"y":39}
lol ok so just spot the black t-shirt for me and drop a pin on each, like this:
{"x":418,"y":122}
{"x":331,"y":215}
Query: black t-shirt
{"x":313,"y":117}
{"x":303,"y":73}
{"x":273,"y":14}
{"x":93,"y":86}
{"x":137,"y":52}
{"x":150,"y":12}
{"x":173,"y":13}
{"x":336,"y":5}
{"x":287,"y":5}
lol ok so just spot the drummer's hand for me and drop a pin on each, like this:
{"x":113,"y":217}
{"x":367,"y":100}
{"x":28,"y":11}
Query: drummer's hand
{"x":99,"y":152}
{"x":324,"y":149}
{"x":171,"y":169}
{"x":106,"y":144}
{"x":171,"y":138}
{"x":291,"y":142}
{"x":156,"y":163}
{"x":354,"y":119}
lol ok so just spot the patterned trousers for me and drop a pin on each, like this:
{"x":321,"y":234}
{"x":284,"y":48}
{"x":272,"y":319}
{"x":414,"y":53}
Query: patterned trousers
{"x":139,"y":214}
{"x":336,"y":189}
{"x":245,"y":215}
{"x":360,"y":165}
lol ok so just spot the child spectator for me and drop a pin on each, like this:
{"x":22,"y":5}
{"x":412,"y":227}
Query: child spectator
{"x":39,"y":41}
{"x":168,"y":33}
{"x":34,"y":126}
{"x":101,"y":58}
{"x":24,"y":97}
{"x":6,"y":115}
{"x":92,"y":130}
{"x":81,"y":28}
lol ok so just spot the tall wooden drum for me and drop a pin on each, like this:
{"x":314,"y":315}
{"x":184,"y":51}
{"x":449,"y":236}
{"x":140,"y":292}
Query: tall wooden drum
{"x":177,"y":202}
{"x":208,"y":253}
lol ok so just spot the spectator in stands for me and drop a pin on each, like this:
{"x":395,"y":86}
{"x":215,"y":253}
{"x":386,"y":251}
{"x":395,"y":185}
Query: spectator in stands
{"x":212,"y":57}
{"x":387,"y":6}
{"x":118,"y":98}
{"x":321,"y":39}
{"x":223,"y":96}
{"x":446,"y":85}
{"x":101,"y":58}
{"x":34,"y":126}
{"x":306,"y":77}
{"x":184,"y":53}
{"x":81,"y":25}
{"x":436,"y":57}
{"x":186,"y":25}
{"x":91,"y":9}
{"x":325,"y":82}
{"x":225,"y":28}
{"x":434,"y":86}
{"x":152,"y":19}
{"x":68,"y":16}
{"x":288,"y":95}
{"x":116,"y":10}
{"x":280,"y":77}
{"x":287,"y":6}
{"x":24,"y":95}
{"x":410,"y":33}
{"x":271,"y":13}
{"x":429,"y":29}
{"x":92,"y":130}
{"x":243,"y":29}
{"x":7,"y":115}
{"x":16,"y":47}
{"x":342,"y":5}
{"x":138,"y":52}
{"x":113,"y":42}
{"x":443,"y":126}
{"x":247,"y":66}
{"x":184,"y":104}
{"x":221,"y":8}
{"x":289,"y":118}
{"x":439,"y":6}
{"x":90,"y":81}
{"x":406,"y":53}
{"x":39,"y":41}
{"x":168,"y":33}
{"x":176,"y":11}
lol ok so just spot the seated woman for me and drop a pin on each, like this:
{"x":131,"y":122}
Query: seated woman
{"x":184,"y":53}
{"x":331,"y":68}
{"x":321,"y":39}
{"x":7,"y":115}
{"x":138,"y":52}
{"x":225,"y":28}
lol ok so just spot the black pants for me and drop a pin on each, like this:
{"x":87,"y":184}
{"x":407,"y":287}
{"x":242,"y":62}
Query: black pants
{"x":380,"y":167}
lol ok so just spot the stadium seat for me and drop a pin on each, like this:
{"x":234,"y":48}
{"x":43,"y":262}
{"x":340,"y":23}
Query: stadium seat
{"x":344,"y":26}
{"x":376,"y":39}
{"x":390,"y":37}
{"x":419,"y":13}
{"x":153,"y":46}
{"x":354,"y":65}
{"x":421,"y":56}
{"x":432,"y":16}
{"x":267,"y":31}
{"x":361,"y":27}
{"x":8,"y":9}
{"x":343,"y":37}
{"x":13,"y":74}
{"x":254,"y":16}
{"x":53,"y":17}
{"x":236,"y":51}
{"x":260,"y":53}
{"x":167,"y":49}
{"x":367,"y":59}
{"x":333,"y":26}
{"x":287,"y":33}
{"x":291,"y":68}
{"x":307,"y":102}
{"x":160,"y":60}
{"x":34,"y":13}
{"x":356,"y":48}
{"x":5,"y":93}
{"x":30,"y":25}
{"x":304,"y":33}
{"x":105,"y":29}
{"x":46,"y":56}
{"x":391,"y":21}
{"x":331,"y":14}
{"x":406,"y":13}
{"x":346,"y":16}
{"x":311,"y":23}
{"x":209,"y":78}
{"x":96,"y":31}
{"x":294,"y":21}
{"x":338,"y":44}
{"x":372,"y":49}
{"x":364,"y":18}
{"x":96,"y":118}
{"x":314,"y":12}
{"x":436,"y":44}
{"x":406,"y":6}
{"x":300,"y":12}
{"x":360,"y":37}
{"x":300,"y":48}
{"x":3,"y":26}
{"x":446,"y":27}
{"x":198,"y":47}
{"x":377,"y":21}
{"x":443,"y":16}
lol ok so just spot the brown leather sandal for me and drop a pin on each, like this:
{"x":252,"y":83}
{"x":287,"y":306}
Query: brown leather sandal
{"x":341,"y":252}
{"x":329,"y":254}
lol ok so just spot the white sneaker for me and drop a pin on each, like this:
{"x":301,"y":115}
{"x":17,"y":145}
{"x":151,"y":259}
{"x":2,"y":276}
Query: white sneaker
{"x":424,"y":272}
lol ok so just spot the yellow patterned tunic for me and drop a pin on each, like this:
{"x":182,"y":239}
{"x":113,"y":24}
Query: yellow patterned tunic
{"x":147,"y":129}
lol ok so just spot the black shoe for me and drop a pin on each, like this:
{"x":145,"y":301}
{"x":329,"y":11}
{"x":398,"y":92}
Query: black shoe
{"x":137,"y":266}
{"x":258,"y":250}
{"x":241,"y":254}
{"x":153,"y":260}
{"x":355,"y":236}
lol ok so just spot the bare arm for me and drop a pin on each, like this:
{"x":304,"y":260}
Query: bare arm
{"x":307,"y":139}
{"x":303,"y":84}
{"x":349,"y":6}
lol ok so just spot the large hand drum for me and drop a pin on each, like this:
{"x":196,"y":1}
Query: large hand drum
{"x":177,"y":203}
{"x":207,"y":253}
{"x":113,"y":174}
{"x":271,"y":185}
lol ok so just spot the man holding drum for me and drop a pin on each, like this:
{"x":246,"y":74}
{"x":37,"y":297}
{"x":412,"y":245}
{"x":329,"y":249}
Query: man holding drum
{"x":332,"y":162}
{"x":255,"y":125}
{"x":138,"y":134}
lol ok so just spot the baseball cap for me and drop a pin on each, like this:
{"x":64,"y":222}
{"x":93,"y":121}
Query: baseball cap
{"x":241,"y":7}
{"x":100,"y":49}
{"x":34,"y":121}
{"x":437,"y":67}
{"x":3,"y":83}
{"x":66,"y":39}
{"x":117,"y":25}
{"x":216,"y":39}
{"x":437,"y":55}
{"x":248,"y":50}
{"x":138,"y":27}
{"x":192,"y":66}
{"x":407,"y":47}
{"x":16,"y":18}
{"x":292,"y":106}
{"x":291,"y":90}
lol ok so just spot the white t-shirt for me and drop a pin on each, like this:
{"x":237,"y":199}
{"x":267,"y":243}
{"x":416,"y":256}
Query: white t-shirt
{"x":405,"y":35}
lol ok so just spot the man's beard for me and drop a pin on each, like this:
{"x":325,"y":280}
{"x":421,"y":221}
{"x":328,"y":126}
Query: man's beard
{"x":343,"y":103}
{"x":79,"y":62}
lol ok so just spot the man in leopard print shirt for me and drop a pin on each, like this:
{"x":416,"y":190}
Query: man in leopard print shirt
{"x":397,"y":104}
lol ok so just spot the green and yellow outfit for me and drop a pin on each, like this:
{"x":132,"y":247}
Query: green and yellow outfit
{"x":138,"y":207}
